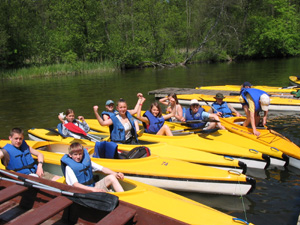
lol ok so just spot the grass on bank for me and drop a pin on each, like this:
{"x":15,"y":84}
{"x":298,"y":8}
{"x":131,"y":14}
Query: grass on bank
{"x":59,"y":69}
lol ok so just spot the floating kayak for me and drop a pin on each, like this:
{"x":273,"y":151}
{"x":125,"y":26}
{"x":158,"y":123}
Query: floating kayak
{"x":157,"y":206}
{"x":237,"y":88}
{"x":252,"y":158}
{"x":267,"y":137}
{"x":278,"y":158}
{"x":160,"y":149}
{"x":276,"y":103}
{"x":165,"y":173}
{"x":294,"y":80}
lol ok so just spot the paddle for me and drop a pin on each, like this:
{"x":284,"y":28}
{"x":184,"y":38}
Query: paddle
{"x":89,"y":137}
{"x":77,"y":130}
{"x":214,"y":108}
{"x":195,"y":121}
{"x":97,"y":200}
{"x":271,"y":95}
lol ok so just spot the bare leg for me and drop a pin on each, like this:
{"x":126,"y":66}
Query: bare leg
{"x":112,"y":180}
{"x":165,"y":130}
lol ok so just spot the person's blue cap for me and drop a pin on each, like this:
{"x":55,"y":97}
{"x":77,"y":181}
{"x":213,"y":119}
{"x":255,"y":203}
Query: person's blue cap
{"x":108,"y":102}
{"x":247,"y":84}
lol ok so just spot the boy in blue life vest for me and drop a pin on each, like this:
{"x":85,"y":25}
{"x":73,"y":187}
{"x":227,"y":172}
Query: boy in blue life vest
{"x":16,"y":156}
{"x":78,"y":170}
{"x":224,"y":108}
{"x":254,"y":101}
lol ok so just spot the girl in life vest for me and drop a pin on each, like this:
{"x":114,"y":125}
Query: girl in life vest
{"x":122,"y":126}
{"x":178,"y":112}
{"x":73,"y":127}
{"x":153,"y":119}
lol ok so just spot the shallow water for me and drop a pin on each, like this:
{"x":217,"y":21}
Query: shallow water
{"x":37,"y":102}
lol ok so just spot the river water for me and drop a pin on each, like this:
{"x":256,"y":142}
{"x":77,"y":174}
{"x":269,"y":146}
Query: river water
{"x":37,"y":102}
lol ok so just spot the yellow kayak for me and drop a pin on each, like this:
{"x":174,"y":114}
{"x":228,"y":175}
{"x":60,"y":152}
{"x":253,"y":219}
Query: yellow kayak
{"x":294,"y":80}
{"x":276,"y":103}
{"x":278,"y":158}
{"x":159,"y":201}
{"x":159,"y":149}
{"x":252,"y":158}
{"x":166,"y":173}
{"x":237,"y":88}
{"x":267,"y":137}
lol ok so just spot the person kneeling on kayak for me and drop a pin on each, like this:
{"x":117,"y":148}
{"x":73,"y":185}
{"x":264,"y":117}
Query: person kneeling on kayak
{"x":196,"y":112}
{"x":153,"y":120}
{"x":78,"y":170}
{"x":224,"y":108}
{"x":255,"y":100}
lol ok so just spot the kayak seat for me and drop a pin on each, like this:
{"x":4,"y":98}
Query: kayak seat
{"x":105,"y":149}
{"x":137,"y":152}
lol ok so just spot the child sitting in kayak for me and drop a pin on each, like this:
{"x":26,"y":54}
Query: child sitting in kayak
{"x":153,"y":119}
{"x":73,"y":127}
{"x":78,"y":170}
{"x":109,"y":105}
{"x":122,"y":125}
{"x":178,"y":112}
{"x":224,"y":108}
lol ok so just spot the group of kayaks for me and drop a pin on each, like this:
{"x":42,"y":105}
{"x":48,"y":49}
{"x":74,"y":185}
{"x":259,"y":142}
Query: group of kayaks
{"x":192,"y":160}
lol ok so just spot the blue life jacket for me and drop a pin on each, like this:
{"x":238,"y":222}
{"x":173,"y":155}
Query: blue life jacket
{"x":117,"y":131}
{"x":20,"y":159}
{"x":255,"y":95}
{"x":155,"y":123}
{"x":107,"y":150}
{"x":197,"y":116}
{"x":223,"y":108}
{"x":83,"y":170}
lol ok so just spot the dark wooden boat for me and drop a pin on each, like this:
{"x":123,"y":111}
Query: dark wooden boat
{"x":22,"y":204}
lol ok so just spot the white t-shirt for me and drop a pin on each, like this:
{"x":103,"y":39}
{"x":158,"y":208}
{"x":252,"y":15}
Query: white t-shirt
{"x":71,"y":177}
{"x":127,"y":127}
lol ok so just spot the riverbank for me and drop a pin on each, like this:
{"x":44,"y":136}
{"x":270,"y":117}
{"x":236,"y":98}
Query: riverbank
{"x":59,"y":70}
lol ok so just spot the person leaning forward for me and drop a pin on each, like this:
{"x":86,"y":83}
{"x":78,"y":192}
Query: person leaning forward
{"x":254,"y":101}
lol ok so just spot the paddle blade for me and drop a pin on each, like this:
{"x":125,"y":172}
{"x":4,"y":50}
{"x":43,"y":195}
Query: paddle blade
{"x":75,"y":129}
{"x":97,"y":200}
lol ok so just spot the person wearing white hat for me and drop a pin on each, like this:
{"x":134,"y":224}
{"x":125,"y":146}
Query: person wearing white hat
{"x":195,"y":112}
{"x":254,"y":101}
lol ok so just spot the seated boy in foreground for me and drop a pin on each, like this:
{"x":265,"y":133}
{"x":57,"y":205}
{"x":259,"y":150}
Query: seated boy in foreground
{"x":78,"y":170}
{"x":16,"y":156}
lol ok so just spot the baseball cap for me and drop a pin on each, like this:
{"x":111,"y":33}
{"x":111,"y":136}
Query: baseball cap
{"x":264,"y":102}
{"x":109,"y":102}
{"x":219,"y":95}
{"x":194,"y":102}
{"x":247,"y":84}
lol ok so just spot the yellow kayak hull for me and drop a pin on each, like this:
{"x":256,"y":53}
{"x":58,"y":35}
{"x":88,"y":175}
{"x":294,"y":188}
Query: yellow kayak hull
{"x":162,"y":172}
{"x":276,"y":103}
{"x":267,"y":137}
{"x":159,"y":149}
{"x":164,"y":202}
{"x":253,"y":159}
{"x":278,"y":158}
{"x":237,"y":88}
{"x":294,"y":81}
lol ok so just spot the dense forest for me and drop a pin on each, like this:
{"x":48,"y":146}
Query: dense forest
{"x":146,"y":32}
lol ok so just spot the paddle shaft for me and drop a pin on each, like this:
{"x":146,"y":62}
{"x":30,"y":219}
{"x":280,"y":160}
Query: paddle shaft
{"x":97,"y":200}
